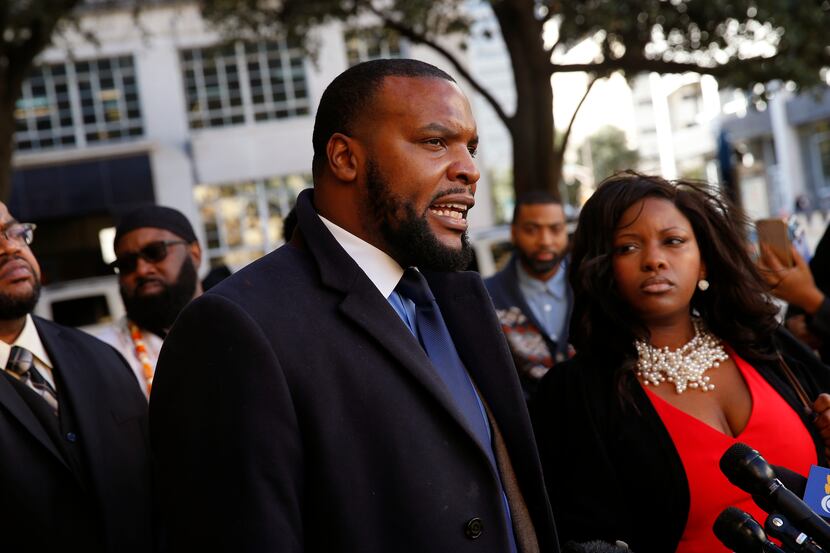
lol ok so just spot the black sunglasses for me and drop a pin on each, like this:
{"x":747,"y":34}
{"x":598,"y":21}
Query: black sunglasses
{"x":154,"y":252}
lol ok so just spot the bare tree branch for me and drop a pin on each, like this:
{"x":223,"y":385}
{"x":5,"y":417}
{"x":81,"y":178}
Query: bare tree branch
{"x":414,"y":36}
{"x":639,"y":64}
{"x":560,"y":151}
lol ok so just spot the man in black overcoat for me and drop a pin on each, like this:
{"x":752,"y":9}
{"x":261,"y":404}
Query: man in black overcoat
{"x":74,"y":445}
{"x":318,"y":400}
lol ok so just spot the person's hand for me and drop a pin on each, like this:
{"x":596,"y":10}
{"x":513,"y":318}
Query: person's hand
{"x":794,"y":285}
{"x":822,"y":408}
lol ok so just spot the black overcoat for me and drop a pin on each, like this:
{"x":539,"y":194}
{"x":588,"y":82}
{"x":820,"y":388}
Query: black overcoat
{"x":294,"y":411}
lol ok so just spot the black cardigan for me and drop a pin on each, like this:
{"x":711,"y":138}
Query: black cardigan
{"x":611,"y":469}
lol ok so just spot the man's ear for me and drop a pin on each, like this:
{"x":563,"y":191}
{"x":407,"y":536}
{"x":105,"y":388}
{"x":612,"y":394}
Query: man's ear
{"x":343,"y":154}
{"x":195,"y":252}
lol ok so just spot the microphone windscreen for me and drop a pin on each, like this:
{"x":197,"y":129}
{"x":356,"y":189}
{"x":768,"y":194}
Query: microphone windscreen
{"x":745,"y":468}
{"x":738,"y":531}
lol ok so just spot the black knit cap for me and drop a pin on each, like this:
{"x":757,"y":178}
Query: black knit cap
{"x":155,"y":216}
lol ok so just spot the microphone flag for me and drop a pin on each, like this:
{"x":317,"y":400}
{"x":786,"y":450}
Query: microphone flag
{"x":817,"y":493}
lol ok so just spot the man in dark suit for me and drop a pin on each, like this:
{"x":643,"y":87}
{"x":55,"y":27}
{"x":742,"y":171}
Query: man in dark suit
{"x":531,"y":293}
{"x":320,"y":400}
{"x":74,"y":448}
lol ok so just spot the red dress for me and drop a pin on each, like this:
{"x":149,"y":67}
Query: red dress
{"x":774,"y":429}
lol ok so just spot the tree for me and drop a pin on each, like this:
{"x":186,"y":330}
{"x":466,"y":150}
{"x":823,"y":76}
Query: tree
{"x":26,"y":28}
{"x":741,"y":43}
{"x":609,"y":152}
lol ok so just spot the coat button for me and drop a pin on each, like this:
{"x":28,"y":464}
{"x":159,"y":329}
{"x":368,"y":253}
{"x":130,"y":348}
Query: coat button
{"x":473,"y":528}
{"x":71,"y":437}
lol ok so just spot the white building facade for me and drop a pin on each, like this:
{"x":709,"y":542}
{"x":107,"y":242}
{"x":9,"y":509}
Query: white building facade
{"x":164,"y":110}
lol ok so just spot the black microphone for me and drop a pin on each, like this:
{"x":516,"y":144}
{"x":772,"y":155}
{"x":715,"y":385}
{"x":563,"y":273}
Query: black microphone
{"x":793,"y":539}
{"x":745,"y":468}
{"x":791,"y":480}
{"x":741,"y":533}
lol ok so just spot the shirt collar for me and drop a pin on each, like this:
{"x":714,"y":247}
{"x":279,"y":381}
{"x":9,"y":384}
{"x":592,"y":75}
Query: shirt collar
{"x":382,"y":270}
{"x":29,"y":339}
{"x":554,"y":285}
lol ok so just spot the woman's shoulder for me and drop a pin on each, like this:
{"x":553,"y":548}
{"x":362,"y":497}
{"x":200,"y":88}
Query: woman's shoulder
{"x":582,"y":383}
{"x":582,"y":368}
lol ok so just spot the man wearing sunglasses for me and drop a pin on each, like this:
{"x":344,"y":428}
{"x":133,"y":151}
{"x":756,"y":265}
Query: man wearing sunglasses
{"x":157,"y":261}
{"x":74,"y":453}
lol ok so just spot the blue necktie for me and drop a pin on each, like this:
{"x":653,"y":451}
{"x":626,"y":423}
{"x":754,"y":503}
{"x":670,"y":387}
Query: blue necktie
{"x":435,"y":338}
{"x":437,"y":342}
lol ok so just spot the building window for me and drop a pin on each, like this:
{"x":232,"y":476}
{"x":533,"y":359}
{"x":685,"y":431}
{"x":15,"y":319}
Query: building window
{"x":243,"y":83}
{"x":78,"y":103}
{"x":109,"y":99}
{"x":278,"y":84}
{"x":371,"y":44}
{"x":243,"y":221}
{"x":212,"y":87}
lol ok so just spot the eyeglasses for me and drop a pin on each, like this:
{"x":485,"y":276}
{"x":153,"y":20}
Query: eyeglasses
{"x":19,"y":233}
{"x":154,"y":252}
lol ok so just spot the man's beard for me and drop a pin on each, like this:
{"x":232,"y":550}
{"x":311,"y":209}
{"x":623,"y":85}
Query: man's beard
{"x":16,"y":307}
{"x":157,"y":312}
{"x":540,"y":267}
{"x":408,"y":235}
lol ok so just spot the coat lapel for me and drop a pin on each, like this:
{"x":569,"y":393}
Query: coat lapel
{"x":14,"y":404}
{"x":390,"y":332}
{"x":79,"y":392}
{"x":365,"y":306}
{"x":481,"y":345}
{"x":519,"y":300}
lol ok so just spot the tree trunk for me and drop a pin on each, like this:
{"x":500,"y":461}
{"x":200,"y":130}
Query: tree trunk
{"x":531,"y":127}
{"x":9,"y":92}
{"x":535,"y":166}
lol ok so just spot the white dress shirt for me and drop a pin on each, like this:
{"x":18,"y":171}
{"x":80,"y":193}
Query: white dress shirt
{"x":382,"y":270}
{"x":118,"y":336}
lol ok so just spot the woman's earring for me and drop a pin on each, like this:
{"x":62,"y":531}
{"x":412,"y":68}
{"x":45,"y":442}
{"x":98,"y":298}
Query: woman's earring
{"x":703,"y":284}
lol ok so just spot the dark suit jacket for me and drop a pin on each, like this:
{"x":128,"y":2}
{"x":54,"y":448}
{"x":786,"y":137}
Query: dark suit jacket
{"x":293,"y":410}
{"x":531,"y":346}
{"x":90,"y":492}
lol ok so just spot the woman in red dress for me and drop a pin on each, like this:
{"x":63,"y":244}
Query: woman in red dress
{"x":677,"y":359}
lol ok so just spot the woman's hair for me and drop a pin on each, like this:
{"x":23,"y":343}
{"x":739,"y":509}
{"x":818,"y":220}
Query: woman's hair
{"x":735,"y":308}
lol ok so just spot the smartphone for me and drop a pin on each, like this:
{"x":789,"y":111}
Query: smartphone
{"x":776,"y":235}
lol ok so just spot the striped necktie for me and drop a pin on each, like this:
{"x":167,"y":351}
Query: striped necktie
{"x":21,"y":365}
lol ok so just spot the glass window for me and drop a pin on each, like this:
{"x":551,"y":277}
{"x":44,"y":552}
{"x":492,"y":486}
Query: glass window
{"x":211,"y":84}
{"x":243,"y":221}
{"x":273,"y":71}
{"x":80,"y":103}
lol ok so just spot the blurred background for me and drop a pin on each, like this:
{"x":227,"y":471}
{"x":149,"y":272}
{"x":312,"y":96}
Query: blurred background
{"x":208,"y":107}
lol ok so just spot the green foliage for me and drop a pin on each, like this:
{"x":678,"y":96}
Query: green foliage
{"x":608,"y":152}
{"x":297,"y":18}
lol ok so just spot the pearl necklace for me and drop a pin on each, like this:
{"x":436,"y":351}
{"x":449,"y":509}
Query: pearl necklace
{"x":684,"y":367}
{"x":142,"y":355}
